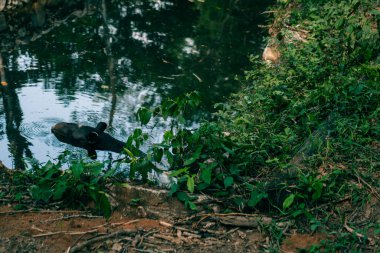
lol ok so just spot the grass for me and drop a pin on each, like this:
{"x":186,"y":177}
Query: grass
{"x":315,"y":115}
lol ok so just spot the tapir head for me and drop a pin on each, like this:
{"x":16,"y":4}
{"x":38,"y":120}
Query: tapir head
{"x":80,"y":136}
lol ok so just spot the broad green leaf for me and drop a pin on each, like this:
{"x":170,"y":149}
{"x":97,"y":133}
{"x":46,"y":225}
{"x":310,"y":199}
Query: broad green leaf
{"x":202,"y":186}
{"x":229,"y":151}
{"x":190,"y":184}
{"x":179,"y":172}
{"x":228,"y":181}
{"x":191,"y":205}
{"x":48,"y":166}
{"x":256,"y":197}
{"x":77,"y":169}
{"x":206,"y":174}
{"x":104,"y":205}
{"x":158,"y":153}
{"x":318,"y":187}
{"x":288,"y":201}
{"x":239,"y":201}
{"x":168,"y":135}
{"x":144,"y":115}
{"x":41,"y":193}
{"x":375,"y":12}
{"x":137,"y":133}
{"x":182,"y":196}
{"x":194,"y":157}
{"x":59,"y":190}
{"x":94,"y":168}
{"x":173,"y":189}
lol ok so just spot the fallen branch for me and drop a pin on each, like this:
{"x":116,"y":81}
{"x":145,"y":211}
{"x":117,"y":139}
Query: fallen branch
{"x":39,"y":211}
{"x":169,"y":225}
{"x":75,"y":216}
{"x":117,"y":224}
{"x":239,"y":219}
{"x":66,"y":233}
{"x":167,"y":238}
{"x":372,"y":189}
{"x":83,"y":245}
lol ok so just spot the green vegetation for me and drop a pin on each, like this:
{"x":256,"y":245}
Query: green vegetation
{"x":300,"y":139}
{"x":77,"y":185}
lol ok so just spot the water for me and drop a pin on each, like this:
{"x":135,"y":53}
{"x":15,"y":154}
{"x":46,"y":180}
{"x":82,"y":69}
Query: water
{"x":105,"y":61}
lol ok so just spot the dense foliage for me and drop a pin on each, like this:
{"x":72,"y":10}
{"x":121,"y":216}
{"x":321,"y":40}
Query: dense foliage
{"x":65,"y":183}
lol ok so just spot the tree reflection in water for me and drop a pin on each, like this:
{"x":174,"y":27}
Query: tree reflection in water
{"x":116,"y":56}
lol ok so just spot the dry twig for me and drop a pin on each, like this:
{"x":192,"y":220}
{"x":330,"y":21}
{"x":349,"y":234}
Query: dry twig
{"x":228,"y":233}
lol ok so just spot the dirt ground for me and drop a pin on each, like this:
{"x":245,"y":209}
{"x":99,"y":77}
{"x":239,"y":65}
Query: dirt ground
{"x":74,"y":231}
{"x":156,"y":224}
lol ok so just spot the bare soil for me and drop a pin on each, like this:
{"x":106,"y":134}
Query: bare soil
{"x":66,"y":230}
{"x":160,"y":224}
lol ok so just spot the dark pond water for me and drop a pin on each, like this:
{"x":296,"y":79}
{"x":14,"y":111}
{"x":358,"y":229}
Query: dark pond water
{"x":104,"y":62}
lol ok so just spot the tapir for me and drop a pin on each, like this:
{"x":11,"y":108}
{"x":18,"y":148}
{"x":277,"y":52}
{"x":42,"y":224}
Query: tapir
{"x":89,"y":138}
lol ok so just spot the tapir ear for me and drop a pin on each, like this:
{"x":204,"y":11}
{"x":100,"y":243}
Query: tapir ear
{"x":92,"y":136}
{"x":92,"y":154}
{"x":101,"y":126}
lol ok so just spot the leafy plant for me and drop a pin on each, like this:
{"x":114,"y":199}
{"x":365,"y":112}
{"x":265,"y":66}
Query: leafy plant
{"x":80,"y":183}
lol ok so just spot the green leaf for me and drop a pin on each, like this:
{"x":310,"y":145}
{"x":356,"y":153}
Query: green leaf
{"x":182,"y":196}
{"x":318,"y":187}
{"x":190,"y":184}
{"x":256,"y":197}
{"x":191,"y":205}
{"x":144,"y":115}
{"x":297,"y":213}
{"x":339,"y":23}
{"x":228,"y":181}
{"x":375,"y":12}
{"x":137,"y":133}
{"x":288,"y":201}
{"x":239,"y":201}
{"x":94,"y":168}
{"x":104,"y":205}
{"x":129,"y":153}
{"x":125,"y":185}
{"x":229,"y":151}
{"x":173,"y":189}
{"x":179,"y":172}
{"x":202,"y":186}
{"x":194,"y":99}
{"x":77,"y":169}
{"x":48,"y":166}
{"x":206,"y":174}
{"x":168,"y":135}
{"x":59,"y":190}
{"x":41,"y":193}
{"x":194,"y":157}
{"x":157,"y":154}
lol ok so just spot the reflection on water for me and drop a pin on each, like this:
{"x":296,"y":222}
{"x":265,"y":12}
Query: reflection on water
{"x":121,"y":55}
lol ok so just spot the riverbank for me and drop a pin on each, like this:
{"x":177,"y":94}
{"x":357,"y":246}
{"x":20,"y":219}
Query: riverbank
{"x":312,"y":117}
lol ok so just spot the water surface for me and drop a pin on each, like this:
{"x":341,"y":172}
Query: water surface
{"x":105,"y":63}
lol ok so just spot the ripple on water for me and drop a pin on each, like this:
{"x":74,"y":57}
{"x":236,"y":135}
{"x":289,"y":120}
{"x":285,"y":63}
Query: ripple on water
{"x":39,"y":128}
